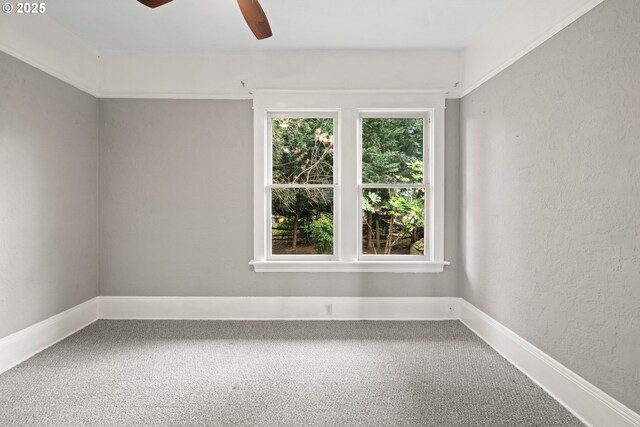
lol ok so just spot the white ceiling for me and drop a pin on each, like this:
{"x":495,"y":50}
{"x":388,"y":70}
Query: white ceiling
{"x":217,"y":25}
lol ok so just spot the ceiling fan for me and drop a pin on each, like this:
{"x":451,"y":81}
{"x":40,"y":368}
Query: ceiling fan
{"x":251,"y":10}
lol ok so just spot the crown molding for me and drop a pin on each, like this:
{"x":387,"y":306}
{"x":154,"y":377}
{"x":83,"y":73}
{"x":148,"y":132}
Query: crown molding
{"x":522,"y":27}
{"x":43,"y":43}
{"x":240,"y":73}
{"x":175,"y":95}
{"x":53,"y":71}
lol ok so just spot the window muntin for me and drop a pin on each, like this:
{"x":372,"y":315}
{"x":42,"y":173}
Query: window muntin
{"x":302,"y":185}
{"x":393,"y":187}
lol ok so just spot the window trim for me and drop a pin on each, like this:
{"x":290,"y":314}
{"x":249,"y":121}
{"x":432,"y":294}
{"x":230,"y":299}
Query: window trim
{"x":348,"y":105}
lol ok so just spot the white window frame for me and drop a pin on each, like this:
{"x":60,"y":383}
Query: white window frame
{"x":348,"y":106}
{"x":303,"y":114}
{"x":427,"y":148}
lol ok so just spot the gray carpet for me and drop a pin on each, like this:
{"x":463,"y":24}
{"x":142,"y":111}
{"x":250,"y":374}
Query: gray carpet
{"x":214,"y":373}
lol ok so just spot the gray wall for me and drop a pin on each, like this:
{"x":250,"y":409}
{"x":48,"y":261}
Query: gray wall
{"x":48,"y":196}
{"x":550,"y":215}
{"x":176,"y":180}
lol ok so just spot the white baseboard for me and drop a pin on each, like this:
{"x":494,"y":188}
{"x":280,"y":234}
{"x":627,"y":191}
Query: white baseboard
{"x":587,"y":402}
{"x":18,"y":347}
{"x":278,"y":308}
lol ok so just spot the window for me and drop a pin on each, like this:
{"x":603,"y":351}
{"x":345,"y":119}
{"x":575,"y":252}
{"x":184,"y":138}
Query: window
{"x":348,"y":182}
{"x":392,"y":185}
{"x":302,"y":176}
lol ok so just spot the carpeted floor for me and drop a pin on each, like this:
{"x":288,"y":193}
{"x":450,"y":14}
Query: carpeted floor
{"x":223,"y":373}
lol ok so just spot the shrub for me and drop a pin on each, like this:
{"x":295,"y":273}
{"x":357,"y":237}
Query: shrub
{"x":321,"y":231}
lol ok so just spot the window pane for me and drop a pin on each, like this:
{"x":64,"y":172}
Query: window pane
{"x":393,"y":221}
{"x":302,"y":150}
{"x":302,"y":221}
{"x":392,"y":150}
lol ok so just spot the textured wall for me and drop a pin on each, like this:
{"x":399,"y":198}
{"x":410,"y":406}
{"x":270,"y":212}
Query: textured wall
{"x":176,"y":194}
{"x":550,"y":178}
{"x":48,"y":196}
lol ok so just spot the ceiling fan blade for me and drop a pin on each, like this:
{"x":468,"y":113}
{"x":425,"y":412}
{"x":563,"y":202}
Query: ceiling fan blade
{"x":255,"y":17}
{"x":154,"y":3}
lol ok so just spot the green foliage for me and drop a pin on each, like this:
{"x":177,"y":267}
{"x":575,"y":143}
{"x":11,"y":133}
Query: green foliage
{"x":302,"y":153}
{"x":306,"y":203}
{"x":406,"y":209}
{"x":415,"y":170}
{"x":370,"y":201}
{"x":401,"y":210}
{"x":321,"y":232}
{"x":302,"y":150}
{"x":389,"y":147}
{"x":392,"y":152}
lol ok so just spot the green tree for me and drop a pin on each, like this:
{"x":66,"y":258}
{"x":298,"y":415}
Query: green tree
{"x":400,"y":210}
{"x":389,"y":146}
{"x":392,"y":152}
{"x":302,"y":153}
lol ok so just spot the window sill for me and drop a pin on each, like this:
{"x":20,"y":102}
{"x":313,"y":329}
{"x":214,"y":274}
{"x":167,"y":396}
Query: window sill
{"x":348,"y":266}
